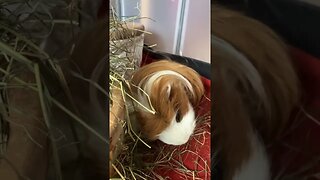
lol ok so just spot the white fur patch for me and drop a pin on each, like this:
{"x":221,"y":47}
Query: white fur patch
{"x":169,"y":90}
{"x":178,"y":133}
{"x":257,"y":166}
{"x":154,"y":76}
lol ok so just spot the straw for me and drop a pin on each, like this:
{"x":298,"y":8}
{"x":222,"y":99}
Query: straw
{"x":20,"y":47}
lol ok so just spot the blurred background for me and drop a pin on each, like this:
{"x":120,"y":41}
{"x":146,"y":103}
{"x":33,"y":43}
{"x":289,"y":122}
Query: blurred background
{"x":51,"y":46}
{"x":295,"y":20}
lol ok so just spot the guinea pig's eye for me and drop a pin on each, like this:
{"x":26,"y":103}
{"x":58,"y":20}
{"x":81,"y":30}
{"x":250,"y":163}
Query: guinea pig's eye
{"x":178,"y":118}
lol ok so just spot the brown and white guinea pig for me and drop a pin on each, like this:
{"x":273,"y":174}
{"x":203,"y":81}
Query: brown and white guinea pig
{"x":174,"y":90}
{"x":255,"y":88}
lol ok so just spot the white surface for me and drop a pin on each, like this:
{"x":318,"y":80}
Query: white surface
{"x":165,"y":25}
{"x":164,"y":15}
{"x":196,"y":40}
{"x":129,"y":8}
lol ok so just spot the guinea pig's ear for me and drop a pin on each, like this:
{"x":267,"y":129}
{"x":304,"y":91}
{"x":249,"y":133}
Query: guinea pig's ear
{"x":171,"y":95}
{"x":168,"y":90}
{"x":175,"y":92}
{"x":196,"y":93}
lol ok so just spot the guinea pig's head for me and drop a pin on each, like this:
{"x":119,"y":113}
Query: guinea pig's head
{"x":173,"y":90}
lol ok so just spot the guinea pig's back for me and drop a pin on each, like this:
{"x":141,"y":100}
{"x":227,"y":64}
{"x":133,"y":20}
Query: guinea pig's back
{"x":267,"y":52}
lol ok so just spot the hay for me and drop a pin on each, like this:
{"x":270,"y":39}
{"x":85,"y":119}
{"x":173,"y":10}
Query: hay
{"x":24,"y":25}
{"x":136,"y":161}
{"x":126,"y":43}
{"x":20,"y":49}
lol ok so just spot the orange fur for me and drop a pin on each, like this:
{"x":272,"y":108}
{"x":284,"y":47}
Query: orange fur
{"x":166,"y":105}
{"x":237,"y":107}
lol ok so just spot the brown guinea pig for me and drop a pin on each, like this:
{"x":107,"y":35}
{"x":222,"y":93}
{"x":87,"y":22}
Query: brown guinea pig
{"x":255,"y":88}
{"x":173,"y":90}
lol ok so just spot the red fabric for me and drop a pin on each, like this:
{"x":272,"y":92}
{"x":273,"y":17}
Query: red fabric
{"x":195,"y":155}
{"x":300,"y":147}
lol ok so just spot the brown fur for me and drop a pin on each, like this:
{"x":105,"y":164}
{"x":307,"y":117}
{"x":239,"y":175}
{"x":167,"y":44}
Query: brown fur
{"x":166,"y":105}
{"x":237,"y":108}
{"x":269,"y":55}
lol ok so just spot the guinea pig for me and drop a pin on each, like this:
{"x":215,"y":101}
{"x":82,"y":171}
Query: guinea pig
{"x":255,"y":90}
{"x":173,"y":90}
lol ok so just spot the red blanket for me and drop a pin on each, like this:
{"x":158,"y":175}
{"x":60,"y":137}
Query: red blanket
{"x":298,"y":152}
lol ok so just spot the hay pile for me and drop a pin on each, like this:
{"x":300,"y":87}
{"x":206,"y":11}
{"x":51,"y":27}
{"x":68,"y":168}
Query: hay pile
{"x":24,"y":27}
{"x":125,"y":54}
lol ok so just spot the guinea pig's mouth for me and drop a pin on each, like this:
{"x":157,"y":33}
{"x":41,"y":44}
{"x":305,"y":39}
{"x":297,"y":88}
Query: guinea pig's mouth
{"x":178,"y":133}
